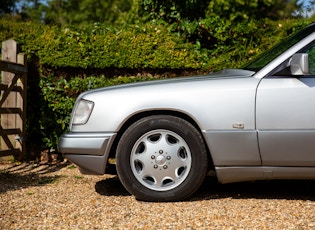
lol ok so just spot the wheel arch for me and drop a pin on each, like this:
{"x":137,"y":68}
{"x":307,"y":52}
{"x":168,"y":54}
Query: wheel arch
{"x":141,"y":115}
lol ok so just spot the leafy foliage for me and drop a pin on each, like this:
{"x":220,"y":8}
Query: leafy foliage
{"x":174,"y":10}
{"x":233,"y":10}
{"x":238,"y":10}
{"x":95,"y":46}
{"x":73,"y":12}
{"x":6,"y":6}
{"x":89,"y":11}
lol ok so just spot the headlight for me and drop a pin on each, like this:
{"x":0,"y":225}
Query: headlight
{"x":82,"y":112}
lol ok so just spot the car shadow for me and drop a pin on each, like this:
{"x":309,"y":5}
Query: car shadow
{"x":212,"y":189}
{"x":273,"y":189}
{"x":111,"y":187}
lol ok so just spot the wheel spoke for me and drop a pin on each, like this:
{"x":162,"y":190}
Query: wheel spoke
{"x":168,"y":176}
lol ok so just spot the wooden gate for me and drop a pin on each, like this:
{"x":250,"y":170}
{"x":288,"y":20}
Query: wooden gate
{"x":13,"y":100}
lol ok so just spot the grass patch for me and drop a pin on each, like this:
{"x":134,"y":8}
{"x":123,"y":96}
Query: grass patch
{"x":49,"y":180}
{"x":72,"y":167}
{"x":78,"y":177}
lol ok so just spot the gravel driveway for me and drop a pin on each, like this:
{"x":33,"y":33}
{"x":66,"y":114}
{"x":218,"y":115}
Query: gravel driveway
{"x":58,"y":197}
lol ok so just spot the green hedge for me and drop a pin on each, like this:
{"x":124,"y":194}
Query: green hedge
{"x":187,"y":45}
{"x":150,"y":46}
{"x":64,"y":62}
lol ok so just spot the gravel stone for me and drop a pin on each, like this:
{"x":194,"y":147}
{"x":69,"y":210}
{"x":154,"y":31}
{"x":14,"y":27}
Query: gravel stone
{"x":57,"y":196}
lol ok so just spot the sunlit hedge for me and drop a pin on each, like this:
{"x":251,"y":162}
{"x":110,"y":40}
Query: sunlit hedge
{"x":191,"y":45}
{"x":149,"y":46}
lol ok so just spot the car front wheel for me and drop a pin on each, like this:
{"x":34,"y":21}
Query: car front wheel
{"x":161,"y":158}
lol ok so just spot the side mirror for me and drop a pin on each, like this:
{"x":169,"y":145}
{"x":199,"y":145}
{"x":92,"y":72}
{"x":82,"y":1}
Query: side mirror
{"x":299,"y":64}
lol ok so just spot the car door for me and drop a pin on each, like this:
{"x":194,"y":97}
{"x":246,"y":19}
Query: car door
{"x":285,"y":116}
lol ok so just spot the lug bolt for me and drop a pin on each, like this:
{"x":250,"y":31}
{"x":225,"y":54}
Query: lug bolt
{"x":161,"y":151}
{"x":168,"y":157}
{"x":165,"y":167}
{"x":152,"y":157}
{"x":155,"y":166}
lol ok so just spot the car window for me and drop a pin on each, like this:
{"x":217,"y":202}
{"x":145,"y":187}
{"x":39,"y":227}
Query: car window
{"x":271,"y":54}
{"x":284,"y":70}
{"x":311,"y":59}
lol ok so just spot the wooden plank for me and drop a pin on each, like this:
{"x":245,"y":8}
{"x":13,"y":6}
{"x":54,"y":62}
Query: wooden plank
{"x":13,"y":100}
{"x":8,"y":142}
{"x":5,"y":132}
{"x":12,"y":67}
{"x":5,"y":94}
{"x":14,"y":88}
{"x":9,"y":54}
{"x":10,"y":152}
{"x":10,"y":111}
{"x":21,"y":104}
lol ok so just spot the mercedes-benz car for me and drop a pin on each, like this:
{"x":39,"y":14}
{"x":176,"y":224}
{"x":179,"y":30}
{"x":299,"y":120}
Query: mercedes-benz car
{"x":163,"y":137}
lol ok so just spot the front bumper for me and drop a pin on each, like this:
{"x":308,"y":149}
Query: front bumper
{"x":89,"y":151}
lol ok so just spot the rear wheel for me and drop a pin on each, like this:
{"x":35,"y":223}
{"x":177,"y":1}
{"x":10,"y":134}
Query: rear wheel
{"x":161,"y":158}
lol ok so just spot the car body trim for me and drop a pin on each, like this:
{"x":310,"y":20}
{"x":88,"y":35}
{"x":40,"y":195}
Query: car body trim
{"x":238,"y":174}
{"x":84,"y":143}
{"x":89,"y":151}
{"x":88,"y":164}
{"x":287,"y":147}
{"x":233,"y":147}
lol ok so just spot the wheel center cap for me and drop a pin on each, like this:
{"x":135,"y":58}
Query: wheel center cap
{"x":160,"y":160}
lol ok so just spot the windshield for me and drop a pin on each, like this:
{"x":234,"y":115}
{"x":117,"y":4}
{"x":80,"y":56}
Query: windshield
{"x":266,"y":57}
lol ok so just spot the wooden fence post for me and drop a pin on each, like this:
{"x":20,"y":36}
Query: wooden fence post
{"x":21,"y":104}
{"x":9,"y":50}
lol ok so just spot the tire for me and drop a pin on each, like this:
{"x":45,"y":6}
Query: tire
{"x":161,"y":158}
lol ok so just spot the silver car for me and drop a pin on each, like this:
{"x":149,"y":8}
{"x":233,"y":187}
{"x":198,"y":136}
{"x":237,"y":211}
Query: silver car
{"x":163,"y":137}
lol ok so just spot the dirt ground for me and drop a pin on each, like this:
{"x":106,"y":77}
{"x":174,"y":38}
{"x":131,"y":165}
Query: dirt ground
{"x":57,"y":196}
